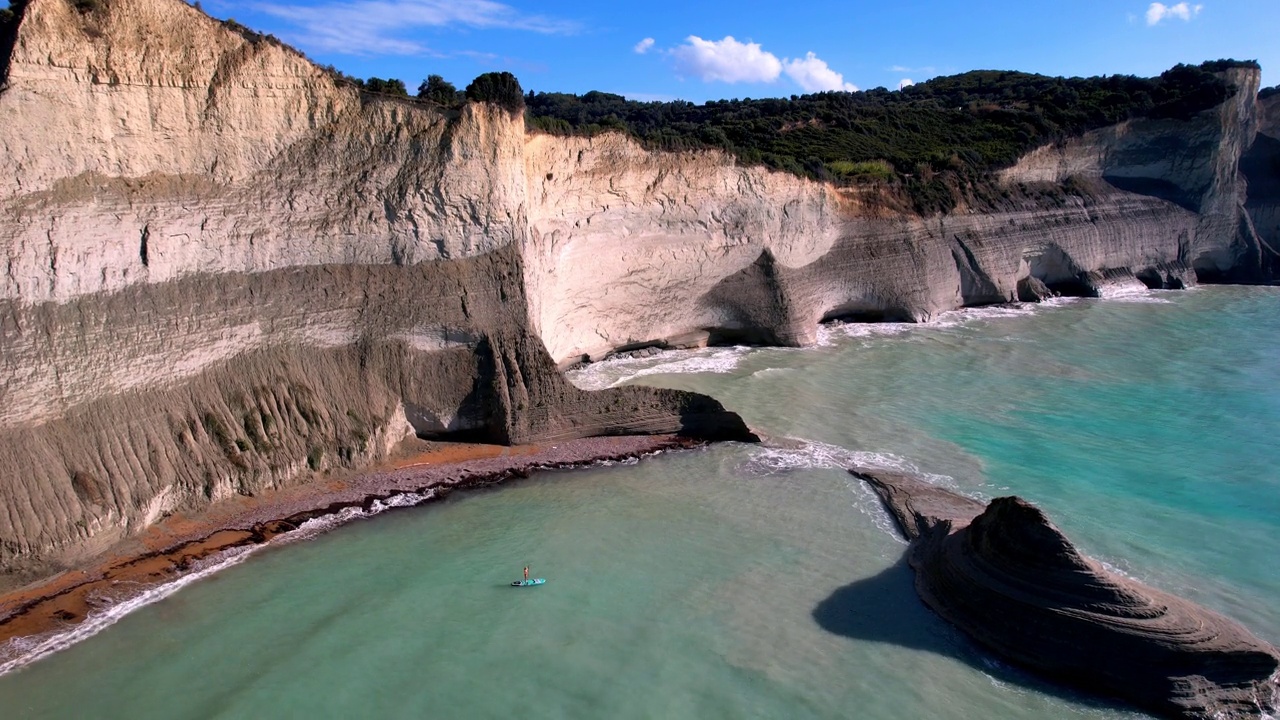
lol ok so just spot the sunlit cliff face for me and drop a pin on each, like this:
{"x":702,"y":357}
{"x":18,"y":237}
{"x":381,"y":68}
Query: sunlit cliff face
{"x":203,"y":235}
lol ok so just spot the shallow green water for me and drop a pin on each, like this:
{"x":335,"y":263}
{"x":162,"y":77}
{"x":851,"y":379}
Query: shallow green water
{"x":741,"y":581}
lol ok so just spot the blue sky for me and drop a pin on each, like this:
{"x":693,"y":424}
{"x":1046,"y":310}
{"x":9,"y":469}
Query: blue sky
{"x":658,"y":49}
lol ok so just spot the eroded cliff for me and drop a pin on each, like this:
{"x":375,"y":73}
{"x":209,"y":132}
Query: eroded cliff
{"x":1261,"y":167}
{"x":678,"y":244}
{"x":223,"y":271}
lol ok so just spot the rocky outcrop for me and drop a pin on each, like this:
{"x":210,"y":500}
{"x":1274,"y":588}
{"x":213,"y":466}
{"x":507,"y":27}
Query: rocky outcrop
{"x":1010,"y":579}
{"x":222,"y":271}
{"x":628,"y":247}
{"x":166,"y":397}
{"x":1261,"y":167}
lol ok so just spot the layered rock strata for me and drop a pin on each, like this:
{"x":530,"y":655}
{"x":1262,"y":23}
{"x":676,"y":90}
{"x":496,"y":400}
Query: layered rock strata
{"x":1010,"y":579}
{"x":1261,"y":167}
{"x":220,"y":270}
{"x":224,"y":274}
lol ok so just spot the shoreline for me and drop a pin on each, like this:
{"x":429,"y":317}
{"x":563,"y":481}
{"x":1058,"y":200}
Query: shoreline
{"x":182,"y":546}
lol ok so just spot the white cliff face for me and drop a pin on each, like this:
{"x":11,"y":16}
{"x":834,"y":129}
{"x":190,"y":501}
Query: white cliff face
{"x":1261,"y":166}
{"x":220,"y":271}
{"x":623,"y":242}
{"x":149,"y":143}
{"x":628,"y":247}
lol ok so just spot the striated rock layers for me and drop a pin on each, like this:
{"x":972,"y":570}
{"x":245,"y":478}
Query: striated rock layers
{"x":221,"y":271}
{"x":1007,"y":577}
{"x":1261,"y":167}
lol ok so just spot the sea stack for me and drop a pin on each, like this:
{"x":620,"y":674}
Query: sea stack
{"x":1009,"y":578}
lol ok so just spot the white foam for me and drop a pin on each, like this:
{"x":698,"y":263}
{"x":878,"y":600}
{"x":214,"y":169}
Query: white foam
{"x":1060,"y":301}
{"x":22,"y":651}
{"x":809,"y":455}
{"x":1149,"y":298}
{"x":986,"y":312}
{"x":829,"y":332}
{"x":1121,"y":288}
{"x":772,"y":371}
{"x":611,"y":373}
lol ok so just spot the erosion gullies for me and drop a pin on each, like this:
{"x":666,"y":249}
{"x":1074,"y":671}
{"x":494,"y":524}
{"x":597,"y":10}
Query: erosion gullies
{"x":221,"y":271}
{"x":233,"y":274}
{"x":1261,"y":167}
{"x":1010,"y":579}
{"x":148,"y":142}
{"x":168,"y":396}
{"x":628,"y":247}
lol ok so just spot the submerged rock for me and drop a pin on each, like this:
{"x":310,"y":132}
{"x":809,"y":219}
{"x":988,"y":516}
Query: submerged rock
{"x":1009,"y":578}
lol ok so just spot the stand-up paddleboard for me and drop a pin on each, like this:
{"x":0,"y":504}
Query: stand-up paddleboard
{"x":528,"y":583}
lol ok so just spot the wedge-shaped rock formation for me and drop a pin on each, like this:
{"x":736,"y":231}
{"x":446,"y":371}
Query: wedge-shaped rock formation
{"x":1010,"y":579}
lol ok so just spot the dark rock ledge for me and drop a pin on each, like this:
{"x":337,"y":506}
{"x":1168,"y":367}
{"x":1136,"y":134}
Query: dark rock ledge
{"x":1008,"y":577}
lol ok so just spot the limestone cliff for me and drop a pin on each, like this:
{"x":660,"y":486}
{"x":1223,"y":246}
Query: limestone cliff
{"x":681,"y":243}
{"x":1261,"y":166}
{"x":223,"y":271}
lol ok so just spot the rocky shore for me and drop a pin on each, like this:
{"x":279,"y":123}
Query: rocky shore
{"x":1010,"y":579}
{"x":179,"y":545}
{"x":225,"y":271}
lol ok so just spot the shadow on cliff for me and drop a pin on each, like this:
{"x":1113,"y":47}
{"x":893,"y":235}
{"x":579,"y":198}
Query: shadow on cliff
{"x":884,"y":608}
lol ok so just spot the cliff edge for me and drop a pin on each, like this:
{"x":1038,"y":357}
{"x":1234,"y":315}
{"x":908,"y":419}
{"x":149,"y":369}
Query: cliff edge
{"x":223,"y":271}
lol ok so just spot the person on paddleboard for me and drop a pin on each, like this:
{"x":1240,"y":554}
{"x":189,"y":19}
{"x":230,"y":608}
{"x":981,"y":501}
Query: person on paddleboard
{"x":526,"y":572}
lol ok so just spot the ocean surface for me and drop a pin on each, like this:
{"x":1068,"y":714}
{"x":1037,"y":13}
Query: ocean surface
{"x":741,"y":581}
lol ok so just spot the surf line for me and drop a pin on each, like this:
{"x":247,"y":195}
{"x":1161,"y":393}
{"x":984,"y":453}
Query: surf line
{"x":43,"y":626}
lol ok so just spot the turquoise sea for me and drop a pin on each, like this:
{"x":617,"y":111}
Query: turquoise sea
{"x":750,"y":582}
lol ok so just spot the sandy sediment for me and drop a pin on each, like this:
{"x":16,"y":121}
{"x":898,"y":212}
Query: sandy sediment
{"x":177,"y":546}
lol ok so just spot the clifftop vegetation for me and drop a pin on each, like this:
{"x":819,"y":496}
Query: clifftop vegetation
{"x":935,"y":140}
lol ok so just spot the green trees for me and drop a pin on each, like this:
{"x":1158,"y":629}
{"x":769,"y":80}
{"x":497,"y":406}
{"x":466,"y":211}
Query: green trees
{"x":438,"y":90}
{"x":499,"y":88}
{"x":390,"y":86}
{"x":962,"y":126}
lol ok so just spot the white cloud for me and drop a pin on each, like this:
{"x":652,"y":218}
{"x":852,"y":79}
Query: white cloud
{"x":731,"y":61}
{"x":926,"y":70}
{"x":385,"y":27}
{"x":905,"y":83}
{"x":1158,"y":12}
{"x":726,"y":60}
{"x":644,"y":46}
{"x":814,"y":75}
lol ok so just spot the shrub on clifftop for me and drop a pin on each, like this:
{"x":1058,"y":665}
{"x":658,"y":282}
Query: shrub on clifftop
{"x":933,"y":139}
{"x":499,"y":88}
{"x":438,"y":90}
{"x":389,"y":86}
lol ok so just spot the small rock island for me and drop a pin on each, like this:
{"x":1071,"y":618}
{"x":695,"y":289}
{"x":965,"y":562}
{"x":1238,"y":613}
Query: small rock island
{"x":1006,"y":576}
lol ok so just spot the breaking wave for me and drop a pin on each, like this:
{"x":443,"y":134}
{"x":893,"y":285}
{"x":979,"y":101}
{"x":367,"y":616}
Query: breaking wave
{"x":611,"y":373}
{"x":766,"y":461}
{"x":23,"y":651}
